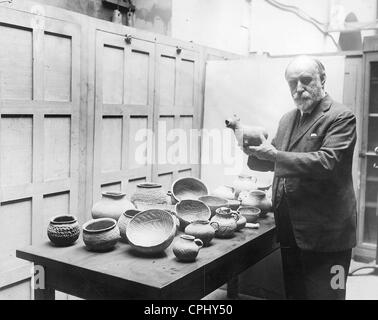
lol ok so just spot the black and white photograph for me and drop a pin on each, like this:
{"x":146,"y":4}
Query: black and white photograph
{"x":210,"y":151}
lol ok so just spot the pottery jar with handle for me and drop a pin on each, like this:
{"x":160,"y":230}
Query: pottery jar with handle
{"x":186,"y":248}
{"x":203,"y":230}
{"x":242,"y":221}
{"x":111,"y":205}
{"x":244,"y":183}
{"x":258,"y":199}
{"x":227,"y":221}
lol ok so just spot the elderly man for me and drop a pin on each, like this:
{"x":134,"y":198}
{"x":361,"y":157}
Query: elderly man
{"x":313,"y":197}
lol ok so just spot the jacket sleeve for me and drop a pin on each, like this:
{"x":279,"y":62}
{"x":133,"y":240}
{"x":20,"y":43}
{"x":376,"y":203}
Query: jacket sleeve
{"x":261,"y":165}
{"x":340,"y":137}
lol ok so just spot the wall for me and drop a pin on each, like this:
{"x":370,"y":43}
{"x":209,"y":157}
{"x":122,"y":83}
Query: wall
{"x":150,"y":15}
{"x":221,"y":24}
{"x":279,"y":32}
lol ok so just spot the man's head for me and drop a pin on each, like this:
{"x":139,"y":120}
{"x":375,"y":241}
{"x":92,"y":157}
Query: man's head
{"x":306,"y":78}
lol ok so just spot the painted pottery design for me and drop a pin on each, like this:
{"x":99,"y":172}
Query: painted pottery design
{"x":213,"y":203}
{"x":244,"y":183}
{"x":112,"y":205}
{"x":258,"y":199}
{"x":227,"y":221}
{"x":63,"y":230}
{"x":124,"y":220}
{"x":101,"y":234}
{"x":203,"y":230}
{"x":246,"y":135}
{"x":148,"y":194}
{"x":252,"y":214}
{"x":186,"y":248}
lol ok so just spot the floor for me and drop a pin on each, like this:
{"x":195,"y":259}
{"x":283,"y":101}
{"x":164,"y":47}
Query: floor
{"x":363,"y":285}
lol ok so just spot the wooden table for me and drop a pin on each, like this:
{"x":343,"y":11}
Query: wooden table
{"x":124,"y":274}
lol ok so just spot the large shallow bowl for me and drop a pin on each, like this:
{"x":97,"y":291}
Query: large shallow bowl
{"x":188,"y":211}
{"x":188,"y":188}
{"x":213,"y":202}
{"x":151,"y":231}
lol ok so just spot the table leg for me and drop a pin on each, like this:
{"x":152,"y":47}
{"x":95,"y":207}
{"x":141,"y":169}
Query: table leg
{"x":233,"y":288}
{"x":44,"y":294}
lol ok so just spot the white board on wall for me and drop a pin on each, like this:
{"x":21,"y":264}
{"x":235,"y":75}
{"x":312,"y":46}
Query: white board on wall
{"x":255,"y":89}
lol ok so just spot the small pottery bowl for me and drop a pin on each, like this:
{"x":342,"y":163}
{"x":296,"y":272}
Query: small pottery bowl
{"x":188,"y":211}
{"x":213,"y":203}
{"x":63,"y":230}
{"x":100,"y":234}
{"x":151,"y":231}
{"x":124,"y":220}
{"x":252,"y":214}
{"x":188,"y":188}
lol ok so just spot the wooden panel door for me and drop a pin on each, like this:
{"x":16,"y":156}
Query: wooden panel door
{"x":123,"y":113}
{"x":176,"y":114}
{"x":39,"y":125}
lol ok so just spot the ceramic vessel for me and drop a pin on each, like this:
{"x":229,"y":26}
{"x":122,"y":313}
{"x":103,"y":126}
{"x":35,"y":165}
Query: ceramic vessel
{"x":242,"y":221}
{"x":252,"y":214}
{"x":233,"y":204}
{"x":213,"y":203}
{"x":246,"y":135}
{"x":148,"y":194}
{"x":63,"y":230}
{"x":227,"y":221}
{"x":111,"y":205}
{"x":187,"y":188}
{"x":258,"y":199}
{"x":101,"y":234}
{"x":186,"y":248}
{"x":124,"y":220}
{"x":225,"y":192}
{"x":188,"y":211}
{"x":244,"y":183}
{"x":151,"y":231}
{"x":203,"y":230}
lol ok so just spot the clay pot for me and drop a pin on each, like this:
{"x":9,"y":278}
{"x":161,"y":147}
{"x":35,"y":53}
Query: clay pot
{"x":151,"y":231}
{"x":227,"y":221}
{"x":242,"y":221}
{"x":101,"y":234}
{"x":63,"y":230}
{"x":148,"y":194}
{"x":186,"y":248}
{"x":244,"y":183}
{"x":124,"y":220}
{"x":246,"y":135}
{"x":188,"y":188}
{"x":252,"y":214}
{"x":224,"y":192}
{"x":188,"y":211}
{"x":213,"y":203}
{"x":258,"y":199}
{"x":203,"y":230}
{"x":112,"y":205}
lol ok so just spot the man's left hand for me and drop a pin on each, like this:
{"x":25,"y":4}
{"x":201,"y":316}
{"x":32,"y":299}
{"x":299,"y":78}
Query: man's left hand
{"x":265,"y":151}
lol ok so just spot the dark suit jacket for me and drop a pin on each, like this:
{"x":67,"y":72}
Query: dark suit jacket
{"x":316,"y":165}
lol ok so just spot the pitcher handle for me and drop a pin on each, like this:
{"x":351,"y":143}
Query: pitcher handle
{"x":215,"y":225}
{"x":235,"y":215}
{"x":199,"y":243}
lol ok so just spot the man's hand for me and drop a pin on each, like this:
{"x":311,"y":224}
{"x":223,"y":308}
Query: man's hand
{"x":265,"y":151}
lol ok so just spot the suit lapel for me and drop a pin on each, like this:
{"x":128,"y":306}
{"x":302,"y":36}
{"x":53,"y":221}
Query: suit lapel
{"x":288,"y":129}
{"x":317,"y":114}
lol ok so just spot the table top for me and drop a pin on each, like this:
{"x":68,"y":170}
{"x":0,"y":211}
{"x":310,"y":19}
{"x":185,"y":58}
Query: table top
{"x":124,"y":263}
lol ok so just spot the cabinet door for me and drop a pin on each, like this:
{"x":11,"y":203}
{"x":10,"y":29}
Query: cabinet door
{"x":176,"y":114}
{"x":123,"y":113}
{"x":39,"y":129}
{"x":369,"y":156}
